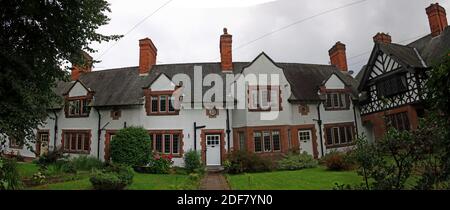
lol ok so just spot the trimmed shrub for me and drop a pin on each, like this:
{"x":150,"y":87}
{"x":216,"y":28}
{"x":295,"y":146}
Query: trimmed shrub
{"x":131,"y":146}
{"x":337,"y":161}
{"x":51,"y":157}
{"x":193,"y":162}
{"x":114,"y":177}
{"x":86,"y":163}
{"x":158,"y":165}
{"x":243,"y":161}
{"x":9,"y":175}
{"x":294,"y":161}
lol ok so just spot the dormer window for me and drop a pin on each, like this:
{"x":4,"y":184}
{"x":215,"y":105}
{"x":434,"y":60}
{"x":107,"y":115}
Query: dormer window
{"x":78,"y":107}
{"x":161,"y":103}
{"x":264,"y":98}
{"x":337,"y":101}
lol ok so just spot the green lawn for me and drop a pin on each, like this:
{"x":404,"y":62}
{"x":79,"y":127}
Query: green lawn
{"x":306,"y":179}
{"x":27,"y":169}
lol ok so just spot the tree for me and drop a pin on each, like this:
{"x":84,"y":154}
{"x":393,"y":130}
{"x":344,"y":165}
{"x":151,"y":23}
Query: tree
{"x":131,"y":146}
{"x":37,"y":39}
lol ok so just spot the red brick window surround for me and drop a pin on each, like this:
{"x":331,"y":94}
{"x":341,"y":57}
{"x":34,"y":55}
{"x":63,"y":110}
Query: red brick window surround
{"x":339,"y":135}
{"x":398,"y":121}
{"x":264,"y":98}
{"x":161,"y":103}
{"x":14,"y":143}
{"x":78,"y":107}
{"x":337,"y":101}
{"x":267,"y":141}
{"x":76,"y":141}
{"x":167,"y":142}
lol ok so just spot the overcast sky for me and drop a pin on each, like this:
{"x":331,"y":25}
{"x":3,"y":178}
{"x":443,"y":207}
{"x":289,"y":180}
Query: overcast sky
{"x":186,"y":31}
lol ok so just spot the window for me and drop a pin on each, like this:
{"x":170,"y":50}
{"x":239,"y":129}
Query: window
{"x":264,"y":98}
{"x":78,"y":108}
{"x":162,"y":104}
{"x":339,"y":135}
{"x":258,"y":141}
{"x":166,"y":142}
{"x":76,"y":141}
{"x":241,"y":140}
{"x":154,"y":104}
{"x":337,"y":101}
{"x":392,"y":86}
{"x":267,"y":141}
{"x":304,"y":135}
{"x":14,"y":143}
{"x":399,"y":121}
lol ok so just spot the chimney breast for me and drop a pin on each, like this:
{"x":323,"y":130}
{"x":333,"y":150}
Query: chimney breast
{"x":437,"y":19}
{"x":338,"y":56}
{"x":147,"y":55}
{"x":226,"y":58}
{"x":77,"y":70}
{"x":383,"y":38}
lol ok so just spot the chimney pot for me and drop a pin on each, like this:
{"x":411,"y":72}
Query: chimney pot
{"x":383,"y":38}
{"x":226,"y":58}
{"x":437,"y":18}
{"x":338,"y":56}
{"x":147,"y":55}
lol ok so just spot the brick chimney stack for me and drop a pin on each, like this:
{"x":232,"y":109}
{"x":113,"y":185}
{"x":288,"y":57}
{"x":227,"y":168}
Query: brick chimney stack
{"x":338,"y":56}
{"x":226,"y":58}
{"x":383,"y":38}
{"x":437,"y":19}
{"x":147,"y":55}
{"x":77,"y":70}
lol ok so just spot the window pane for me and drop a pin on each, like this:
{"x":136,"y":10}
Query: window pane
{"x":242,"y":141}
{"x":275,"y":98}
{"x":258,"y":143}
{"x":162,"y":103}
{"x":264,"y":98}
{"x":66,"y":141}
{"x":171,"y":103}
{"x":335,"y":100}
{"x":349,"y":133}
{"x":267,"y":144}
{"x":336,"y":135}
{"x":85,"y":107}
{"x":86,"y":142}
{"x":254,"y":99}
{"x":329,"y":136}
{"x":167,"y":143}
{"x":79,"y":141}
{"x":154,"y":104}
{"x":176,"y":142}
{"x":342,"y":134}
{"x":276,"y":140}
{"x":328,"y":103}
{"x":158,"y":143}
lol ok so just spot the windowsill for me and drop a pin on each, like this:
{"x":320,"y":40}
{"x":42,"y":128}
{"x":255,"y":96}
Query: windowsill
{"x":165,"y":113}
{"x":77,"y":116}
{"x":339,"y":145}
{"x":77,"y":152}
{"x":167,"y":154}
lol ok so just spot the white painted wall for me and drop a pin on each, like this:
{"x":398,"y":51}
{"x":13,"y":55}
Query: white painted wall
{"x":78,"y":90}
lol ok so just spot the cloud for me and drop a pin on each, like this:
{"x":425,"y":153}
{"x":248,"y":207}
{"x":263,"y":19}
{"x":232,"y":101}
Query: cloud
{"x":219,"y":3}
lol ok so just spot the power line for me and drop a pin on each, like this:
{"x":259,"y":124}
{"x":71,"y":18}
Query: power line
{"x":297,"y":22}
{"x":134,"y":27}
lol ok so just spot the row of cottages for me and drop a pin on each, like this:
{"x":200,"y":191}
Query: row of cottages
{"x":263,"y":106}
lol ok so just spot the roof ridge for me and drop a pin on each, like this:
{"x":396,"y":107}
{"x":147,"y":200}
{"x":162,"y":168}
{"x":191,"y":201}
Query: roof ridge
{"x":116,"y":69}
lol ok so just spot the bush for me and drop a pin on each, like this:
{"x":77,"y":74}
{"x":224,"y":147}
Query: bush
{"x":86,"y":163}
{"x":131,"y":146}
{"x":159,"y":165}
{"x":65,"y":166}
{"x":50,"y":158}
{"x":193,"y":162}
{"x":115,"y":177}
{"x":297,"y":161}
{"x":243,"y":161}
{"x":337,"y":161}
{"x":9,"y":175}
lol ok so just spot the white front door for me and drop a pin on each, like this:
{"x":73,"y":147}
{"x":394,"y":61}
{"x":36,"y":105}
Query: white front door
{"x":305,"y":141}
{"x":43,"y":139}
{"x":213,"y":150}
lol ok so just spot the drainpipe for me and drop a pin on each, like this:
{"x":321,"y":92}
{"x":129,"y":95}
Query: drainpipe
{"x":55,"y":137}
{"x":319,"y":123}
{"x":228,"y":131}
{"x":356,"y":121}
{"x":99,"y":133}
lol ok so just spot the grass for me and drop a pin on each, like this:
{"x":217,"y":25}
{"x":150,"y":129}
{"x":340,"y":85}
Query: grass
{"x":27,"y":170}
{"x":306,"y":179}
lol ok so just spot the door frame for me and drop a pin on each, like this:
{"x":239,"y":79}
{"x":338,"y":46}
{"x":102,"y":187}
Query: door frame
{"x":107,"y":148}
{"x":295,"y":137}
{"x":38,"y":141}
{"x":203,"y":134}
